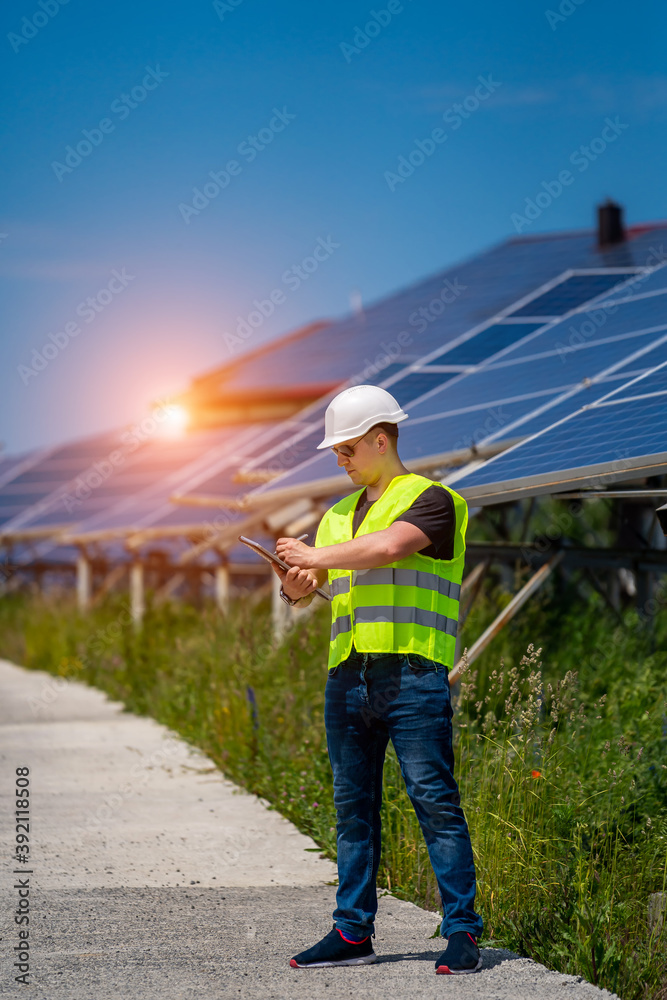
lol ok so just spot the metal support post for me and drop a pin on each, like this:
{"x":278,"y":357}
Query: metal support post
{"x":137,"y":601}
{"x":519,"y":599}
{"x":83,"y":581}
{"x":222,"y":587}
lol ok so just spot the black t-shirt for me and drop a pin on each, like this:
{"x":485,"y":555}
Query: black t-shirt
{"x":432,"y":512}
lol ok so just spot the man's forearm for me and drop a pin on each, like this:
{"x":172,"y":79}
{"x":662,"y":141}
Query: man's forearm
{"x":366,"y":552}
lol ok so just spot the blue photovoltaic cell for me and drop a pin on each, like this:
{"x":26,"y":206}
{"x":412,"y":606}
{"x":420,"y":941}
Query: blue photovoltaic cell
{"x":291,"y":452}
{"x":650,"y":359}
{"x":607,"y":433}
{"x":543,"y":412}
{"x":434,"y":312}
{"x":487,"y":342}
{"x":640,"y":284}
{"x":652,"y":382}
{"x":321,"y":466}
{"x":416,"y":384}
{"x":434,"y":437}
{"x":92,"y":492}
{"x":570,"y":294}
{"x":542,"y":375}
{"x":384,"y":373}
{"x":459,"y":430}
{"x":586,"y":328}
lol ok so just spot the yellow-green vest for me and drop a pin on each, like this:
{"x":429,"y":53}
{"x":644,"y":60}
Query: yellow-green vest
{"x":408,"y":606}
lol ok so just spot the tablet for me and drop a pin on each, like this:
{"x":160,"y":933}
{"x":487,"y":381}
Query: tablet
{"x":271,"y":557}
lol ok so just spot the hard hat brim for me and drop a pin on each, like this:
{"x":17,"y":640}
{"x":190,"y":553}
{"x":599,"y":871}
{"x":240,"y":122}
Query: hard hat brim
{"x":355,"y":432}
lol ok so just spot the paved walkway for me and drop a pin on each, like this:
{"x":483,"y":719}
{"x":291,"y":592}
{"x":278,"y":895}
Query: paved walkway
{"x":152,"y":876}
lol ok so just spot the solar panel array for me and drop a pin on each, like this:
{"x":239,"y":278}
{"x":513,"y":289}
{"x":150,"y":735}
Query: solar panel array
{"x":480,"y":358}
{"x":520,"y":387}
{"x":621,"y":435}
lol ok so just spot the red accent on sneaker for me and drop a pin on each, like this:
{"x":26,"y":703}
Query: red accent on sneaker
{"x":443,"y":970}
{"x":352,"y":942}
{"x":471,"y":938}
{"x":293,"y":963}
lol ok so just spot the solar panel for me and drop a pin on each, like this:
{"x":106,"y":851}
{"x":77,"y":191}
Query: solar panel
{"x":90,"y":491}
{"x":457,"y":430}
{"x":495,"y":338}
{"x":416,"y":384}
{"x":650,"y":359}
{"x":410,"y":385}
{"x":539,"y":364}
{"x":596,"y":324}
{"x":492,"y":385}
{"x":620,"y":436}
{"x":509,"y":398}
{"x":570,"y":294}
{"x":654,"y":382}
{"x":414,"y":324}
{"x":645,"y":283}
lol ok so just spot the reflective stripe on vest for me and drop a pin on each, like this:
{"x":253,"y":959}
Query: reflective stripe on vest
{"x":341,"y":625}
{"x":418,"y":616}
{"x":397,"y":576}
{"x":411,"y":605}
{"x":340,"y":586}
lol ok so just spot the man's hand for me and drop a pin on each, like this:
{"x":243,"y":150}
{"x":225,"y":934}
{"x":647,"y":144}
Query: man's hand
{"x":296,"y":582}
{"x":295,"y":553}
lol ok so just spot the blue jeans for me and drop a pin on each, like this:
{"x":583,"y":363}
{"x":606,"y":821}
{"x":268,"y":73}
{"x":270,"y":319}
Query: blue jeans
{"x":371,"y":699}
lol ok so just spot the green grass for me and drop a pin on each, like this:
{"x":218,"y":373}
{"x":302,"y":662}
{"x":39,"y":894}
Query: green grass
{"x":561,"y":754}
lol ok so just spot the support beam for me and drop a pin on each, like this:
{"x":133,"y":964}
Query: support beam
{"x":169,"y":588}
{"x":519,"y":599}
{"x":222,"y":587}
{"x":471,"y":580}
{"x":471,"y":585}
{"x":113,"y":577}
{"x":83,"y":581}
{"x":437,"y":465}
{"x":257,"y":596}
{"x":611,"y":495}
{"x":137,"y":599}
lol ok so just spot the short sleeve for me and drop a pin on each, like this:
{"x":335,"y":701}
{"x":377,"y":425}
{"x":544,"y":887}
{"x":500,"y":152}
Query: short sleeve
{"x":433,"y":513}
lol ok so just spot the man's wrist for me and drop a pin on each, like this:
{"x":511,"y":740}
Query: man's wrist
{"x":289,"y":600}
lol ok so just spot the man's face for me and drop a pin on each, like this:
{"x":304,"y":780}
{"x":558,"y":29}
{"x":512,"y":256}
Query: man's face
{"x":365,"y":465}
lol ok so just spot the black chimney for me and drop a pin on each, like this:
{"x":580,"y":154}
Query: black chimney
{"x":610,"y":224}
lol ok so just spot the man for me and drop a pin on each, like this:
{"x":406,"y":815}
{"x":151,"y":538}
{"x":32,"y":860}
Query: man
{"x":394,"y":554}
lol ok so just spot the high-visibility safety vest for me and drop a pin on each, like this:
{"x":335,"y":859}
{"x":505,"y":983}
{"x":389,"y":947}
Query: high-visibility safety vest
{"x":408,"y":606}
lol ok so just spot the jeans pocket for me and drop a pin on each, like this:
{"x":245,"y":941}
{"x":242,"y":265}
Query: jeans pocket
{"x":420,"y":664}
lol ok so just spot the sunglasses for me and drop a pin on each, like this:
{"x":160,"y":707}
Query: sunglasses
{"x":347,"y":449}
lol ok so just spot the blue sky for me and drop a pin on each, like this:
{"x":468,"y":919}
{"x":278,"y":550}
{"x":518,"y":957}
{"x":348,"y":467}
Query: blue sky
{"x":315,"y":118}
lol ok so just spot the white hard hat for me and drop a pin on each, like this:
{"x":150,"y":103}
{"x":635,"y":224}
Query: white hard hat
{"x":354,"y":411}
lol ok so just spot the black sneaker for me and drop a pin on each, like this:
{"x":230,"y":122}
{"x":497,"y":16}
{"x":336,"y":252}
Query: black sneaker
{"x":335,"y":950}
{"x":460,"y":956}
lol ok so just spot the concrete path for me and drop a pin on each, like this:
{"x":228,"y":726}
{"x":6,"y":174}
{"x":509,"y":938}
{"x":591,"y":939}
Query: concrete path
{"x":152,"y":876}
